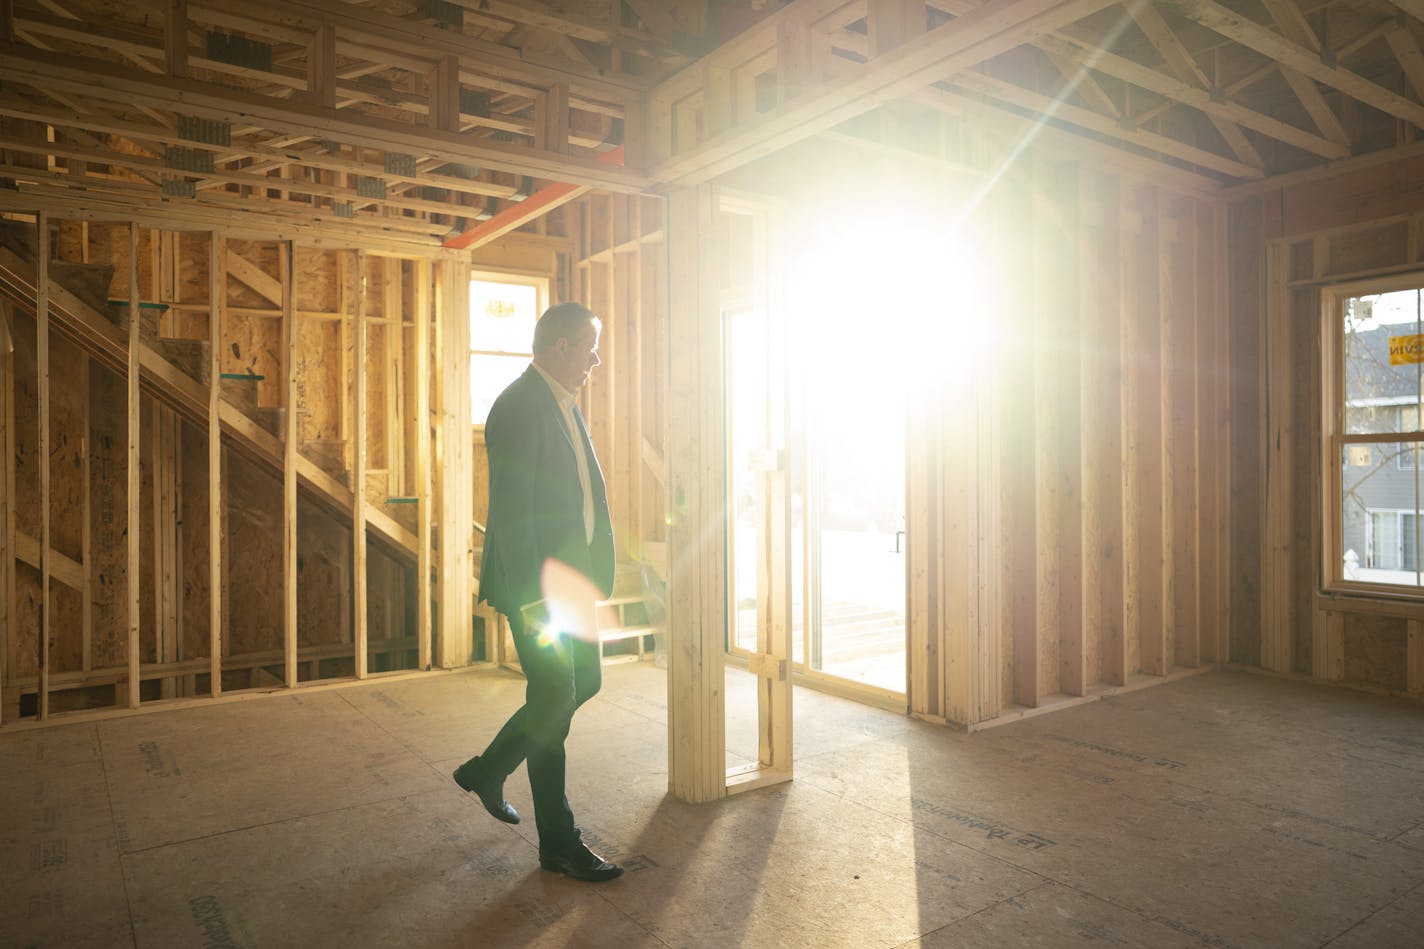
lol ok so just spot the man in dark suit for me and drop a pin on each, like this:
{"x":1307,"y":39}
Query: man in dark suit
{"x":548,"y":557}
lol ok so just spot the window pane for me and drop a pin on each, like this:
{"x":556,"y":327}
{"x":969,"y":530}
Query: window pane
{"x":1379,"y":508}
{"x":1408,"y":542}
{"x":1379,"y":330}
{"x":502,"y":316}
{"x":489,"y":375}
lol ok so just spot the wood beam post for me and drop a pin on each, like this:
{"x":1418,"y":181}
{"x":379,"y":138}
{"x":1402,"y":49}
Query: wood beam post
{"x":1277,"y":633}
{"x":925,"y":551}
{"x":697,"y":607}
{"x":7,"y":496}
{"x":1185,"y":372}
{"x":134,"y":486}
{"x":289,"y":464}
{"x":423,"y":314}
{"x":454,"y":460}
{"x":1074,"y":677}
{"x":46,"y":630}
{"x":1048,"y":391}
{"x":1148,"y":424}
{"x":358,"y":474}
{"x":1414,"y":657}
{"x":217,"y":257}
{"x":1019,"y":487}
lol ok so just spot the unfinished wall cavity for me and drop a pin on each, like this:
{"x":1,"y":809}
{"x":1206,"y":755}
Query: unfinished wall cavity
{"x":191,"y":479}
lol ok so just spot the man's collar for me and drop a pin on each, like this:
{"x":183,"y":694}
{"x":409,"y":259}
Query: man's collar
{"x":561,"y":395}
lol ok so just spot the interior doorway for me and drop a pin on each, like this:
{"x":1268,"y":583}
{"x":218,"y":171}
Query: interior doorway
{"x":854,"y":534}
{"x":816,"y":478}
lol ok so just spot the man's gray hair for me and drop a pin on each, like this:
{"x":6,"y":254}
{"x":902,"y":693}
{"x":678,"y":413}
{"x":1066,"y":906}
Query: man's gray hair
{"x":563,"y":321}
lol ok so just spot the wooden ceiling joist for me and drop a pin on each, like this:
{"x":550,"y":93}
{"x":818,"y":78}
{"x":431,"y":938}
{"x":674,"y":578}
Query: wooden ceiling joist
{"x":978,"y":35}
{"x":1056,"y":108}
{"x":1292,"y":56}
{"x":24,"y":65}
{"x":1202,"y":99}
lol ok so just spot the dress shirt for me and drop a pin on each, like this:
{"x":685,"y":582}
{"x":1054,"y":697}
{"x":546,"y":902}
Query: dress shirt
{"x":565,"y":400}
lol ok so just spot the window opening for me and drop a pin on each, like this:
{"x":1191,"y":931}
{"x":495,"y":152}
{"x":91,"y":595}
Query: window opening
{"x":503,"y":311}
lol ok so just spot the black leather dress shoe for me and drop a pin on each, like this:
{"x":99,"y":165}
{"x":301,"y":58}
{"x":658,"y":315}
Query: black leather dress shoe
{"x":581,"y":864}
{"x":491,"y":796}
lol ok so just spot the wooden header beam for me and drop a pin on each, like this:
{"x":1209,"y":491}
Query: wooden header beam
{"x":536,"y":205}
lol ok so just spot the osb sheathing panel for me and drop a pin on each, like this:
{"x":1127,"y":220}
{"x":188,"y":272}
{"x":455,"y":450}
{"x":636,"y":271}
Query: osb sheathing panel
{"x":27,"y":425}
{"x":195,"y":586}
{"x":252,"y":511}
{"x":377,"y":371}
{"x":252,"y":344}
{"x":109,"y":244}
{"x":108,"y":513}
{"x":388,"y":597}
{"x":266,"y":257}
{"x":318,"y":379}
{"x":323,"y":577}
{"x":190,"y":275}
{"x":66,"y":640}
{"x":1375,"y":648}
{"x":24,"y":644}
{"x":68,"y":241}
{"x":189,"y":285}
{"x":375,"y":273}
{"x":319,"y":279}
{"x":67,"y":398}
{"x":320,"y":387}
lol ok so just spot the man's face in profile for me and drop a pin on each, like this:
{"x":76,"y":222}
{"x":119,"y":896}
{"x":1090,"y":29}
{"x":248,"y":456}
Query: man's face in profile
{"x":576,"y":357}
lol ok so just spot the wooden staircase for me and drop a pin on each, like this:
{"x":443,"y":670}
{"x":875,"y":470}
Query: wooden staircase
{"x":635,"y":612}
{"x":177,"y":371}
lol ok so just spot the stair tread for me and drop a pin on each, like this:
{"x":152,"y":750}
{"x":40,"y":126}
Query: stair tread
{"x":624,"y":599}
{"x":627,"y":632}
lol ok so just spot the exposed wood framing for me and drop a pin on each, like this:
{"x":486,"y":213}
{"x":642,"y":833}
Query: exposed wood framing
{"x":135,"y":602}
{"x":361,"y":336}
{"x":9,"y":626}
{"x":697,"y":607}
{"x":286,"y":257}
{"x":952,"y":47}
{"x":455,"y":454}
{"x":46,"y":623}
{"x":217,"y":258}
{"x":424,"y":302}
{"x":1299,"y":60}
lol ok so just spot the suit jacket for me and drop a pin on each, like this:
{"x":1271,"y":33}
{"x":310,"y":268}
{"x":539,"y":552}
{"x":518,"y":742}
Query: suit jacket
{"x":536,"y":502}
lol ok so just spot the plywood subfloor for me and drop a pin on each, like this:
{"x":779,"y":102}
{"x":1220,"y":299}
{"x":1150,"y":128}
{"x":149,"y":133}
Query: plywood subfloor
{"x":1221,"y":810}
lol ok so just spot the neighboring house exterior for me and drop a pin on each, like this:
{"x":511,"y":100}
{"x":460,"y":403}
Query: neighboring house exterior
{"x":1380,"y":482}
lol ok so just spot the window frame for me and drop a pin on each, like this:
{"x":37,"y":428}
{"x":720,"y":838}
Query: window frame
{"x":541,"y":303}
{"x":1334,"y":439}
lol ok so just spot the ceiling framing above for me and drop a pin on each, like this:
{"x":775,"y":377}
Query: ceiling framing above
{"x":413,"y":122}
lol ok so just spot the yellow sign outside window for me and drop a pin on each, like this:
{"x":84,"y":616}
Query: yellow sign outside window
{"x":1406,"y":350}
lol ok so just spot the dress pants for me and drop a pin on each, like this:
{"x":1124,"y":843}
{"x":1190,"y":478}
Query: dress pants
{"x":561,"y":673}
